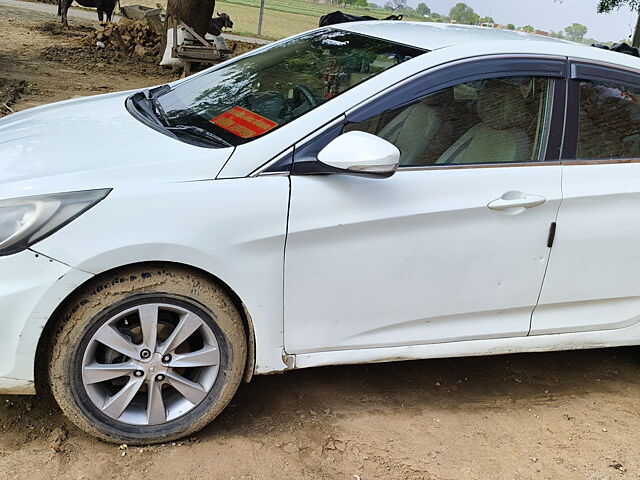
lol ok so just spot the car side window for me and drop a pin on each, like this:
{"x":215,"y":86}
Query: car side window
{"x":495,"y":120}
{"x":609,"y":121}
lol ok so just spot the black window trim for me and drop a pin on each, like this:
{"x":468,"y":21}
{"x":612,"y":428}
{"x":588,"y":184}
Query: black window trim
{"x":478,"y":68}
{"x":438,"y":77}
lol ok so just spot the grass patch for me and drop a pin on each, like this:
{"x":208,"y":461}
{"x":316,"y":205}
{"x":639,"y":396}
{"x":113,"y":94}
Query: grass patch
{"x":282,"y":18}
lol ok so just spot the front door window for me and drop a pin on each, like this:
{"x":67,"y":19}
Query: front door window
{"x":495,"y":120}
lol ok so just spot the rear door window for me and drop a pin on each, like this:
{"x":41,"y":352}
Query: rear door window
{"x":609,"y":121}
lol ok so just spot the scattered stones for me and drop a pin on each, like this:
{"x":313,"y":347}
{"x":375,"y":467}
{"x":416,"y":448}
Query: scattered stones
{"x":334,"y":444}
{"x":618,"y":466}
{"x":290,"y":447}
{"x":56,"y":439}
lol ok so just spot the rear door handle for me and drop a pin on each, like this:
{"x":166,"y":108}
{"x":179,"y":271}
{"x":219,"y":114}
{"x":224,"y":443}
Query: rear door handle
{"x":519,"y":200}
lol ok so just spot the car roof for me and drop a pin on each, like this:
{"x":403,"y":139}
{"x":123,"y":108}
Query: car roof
{"x":474,"y":39}
{"x":433,"y":36}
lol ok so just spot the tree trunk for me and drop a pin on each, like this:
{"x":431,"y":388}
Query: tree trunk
{"x":195,"y":13}
{"x":636,"y":35}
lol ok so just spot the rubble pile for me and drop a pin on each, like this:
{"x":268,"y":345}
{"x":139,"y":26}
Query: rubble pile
{"x":133,"y":37}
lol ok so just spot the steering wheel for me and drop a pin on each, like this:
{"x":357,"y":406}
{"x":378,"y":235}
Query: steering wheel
{"x":269,"y":103}
{"x":302,"y":95}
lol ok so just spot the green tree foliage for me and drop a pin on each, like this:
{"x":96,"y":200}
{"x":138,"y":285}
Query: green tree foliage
{"x":528,"y":28}
{"x":605,"y":6}
{"x":575,"y":32}
{"x":423,"y":9}
{"x":511,"y":26}
{"x":394,"y":5}
{"x":463,"y":13}
{"x":487,"y":20}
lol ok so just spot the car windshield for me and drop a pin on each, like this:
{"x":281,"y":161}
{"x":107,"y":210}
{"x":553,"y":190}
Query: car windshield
{"x":263,"y":91}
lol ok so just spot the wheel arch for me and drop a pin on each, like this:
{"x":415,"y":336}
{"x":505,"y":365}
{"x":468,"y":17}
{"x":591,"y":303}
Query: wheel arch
{"x":47,"y":335}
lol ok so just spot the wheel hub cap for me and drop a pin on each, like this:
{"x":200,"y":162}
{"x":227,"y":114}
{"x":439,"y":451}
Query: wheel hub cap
{"x":150,"y":364}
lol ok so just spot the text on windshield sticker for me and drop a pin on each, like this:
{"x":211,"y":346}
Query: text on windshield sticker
{"x":243,"y":123}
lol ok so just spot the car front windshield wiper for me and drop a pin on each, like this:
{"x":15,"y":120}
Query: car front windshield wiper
{"x":151,"y":96}
{"x":200,"y":133}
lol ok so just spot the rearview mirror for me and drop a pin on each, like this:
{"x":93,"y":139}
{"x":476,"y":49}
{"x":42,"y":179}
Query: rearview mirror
{"x":360,"y":153}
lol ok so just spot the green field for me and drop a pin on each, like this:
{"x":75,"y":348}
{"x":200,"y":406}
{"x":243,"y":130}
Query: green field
{"x":282,"y":17}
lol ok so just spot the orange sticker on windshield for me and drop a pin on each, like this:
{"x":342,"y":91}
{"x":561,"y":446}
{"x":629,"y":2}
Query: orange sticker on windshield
{"x":243,"y":123}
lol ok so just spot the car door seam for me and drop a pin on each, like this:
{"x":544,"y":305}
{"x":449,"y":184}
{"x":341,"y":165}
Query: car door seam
{"x":564,"y":129}
{"x":546,"y":268}
{"x":289,"y":360}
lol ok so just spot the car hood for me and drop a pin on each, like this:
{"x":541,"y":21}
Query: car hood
{"x":94,"y":142}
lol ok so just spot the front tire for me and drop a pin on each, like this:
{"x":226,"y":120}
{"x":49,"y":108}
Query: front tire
{"x":147,"y":355}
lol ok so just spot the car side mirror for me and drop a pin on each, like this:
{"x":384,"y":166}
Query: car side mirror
{"x":360,"y":153}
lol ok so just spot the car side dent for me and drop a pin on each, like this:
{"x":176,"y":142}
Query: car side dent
{"x":628,"y":336}
{"x":232,"y":229}
{"x":36,"y":288}
{"x":270,"y":358}
{"x":100,"y":270}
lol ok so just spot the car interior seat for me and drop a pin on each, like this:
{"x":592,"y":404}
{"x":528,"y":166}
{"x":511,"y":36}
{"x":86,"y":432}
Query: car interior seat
{"x":500,"y":136}
{"x":416,"y":127}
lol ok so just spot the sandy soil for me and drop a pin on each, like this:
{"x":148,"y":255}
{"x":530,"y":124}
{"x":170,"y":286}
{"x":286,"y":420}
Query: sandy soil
{"x":47,"y":64}
{"x":41,"y":63}
{"x":573,"y":415}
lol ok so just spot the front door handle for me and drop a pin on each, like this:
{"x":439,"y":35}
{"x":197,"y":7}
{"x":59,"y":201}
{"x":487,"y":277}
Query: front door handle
{"x":516,"y":200}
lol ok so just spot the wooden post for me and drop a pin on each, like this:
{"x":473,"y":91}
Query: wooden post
{"x":261,"y":17}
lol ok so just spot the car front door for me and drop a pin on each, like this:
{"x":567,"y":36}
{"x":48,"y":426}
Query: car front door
{"x":454,"y":245}
{"x":592,"y":282}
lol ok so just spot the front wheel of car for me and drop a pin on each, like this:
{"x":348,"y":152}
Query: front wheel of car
{"x":147,"y":355}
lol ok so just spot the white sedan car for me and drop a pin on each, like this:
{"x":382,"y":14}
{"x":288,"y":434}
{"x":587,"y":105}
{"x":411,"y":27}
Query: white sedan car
{"x":368,"y":192}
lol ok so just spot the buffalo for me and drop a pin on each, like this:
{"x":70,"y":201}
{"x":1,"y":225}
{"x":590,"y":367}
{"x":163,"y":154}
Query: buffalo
{"x":103,"y":7}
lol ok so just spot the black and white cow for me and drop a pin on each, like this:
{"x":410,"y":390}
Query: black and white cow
{"x":103,"y":7}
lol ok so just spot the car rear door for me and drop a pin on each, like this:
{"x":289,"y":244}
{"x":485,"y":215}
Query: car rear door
{"x":454,"y":245}
{"x":592,"y":282}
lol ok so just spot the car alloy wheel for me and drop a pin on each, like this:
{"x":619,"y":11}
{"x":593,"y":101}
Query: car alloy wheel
{"x":150,"y":364}
{"x":147,"y":355}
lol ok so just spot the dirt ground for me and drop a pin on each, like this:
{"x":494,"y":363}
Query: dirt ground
{"x":573,"y":415}
{"x":42,"y":63}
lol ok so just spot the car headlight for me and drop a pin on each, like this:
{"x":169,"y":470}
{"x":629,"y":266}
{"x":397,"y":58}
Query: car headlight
{"x":26,"y":220}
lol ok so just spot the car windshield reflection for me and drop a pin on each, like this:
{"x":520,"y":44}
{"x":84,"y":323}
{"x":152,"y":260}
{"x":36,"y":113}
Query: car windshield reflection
{"x":265,"y":90}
